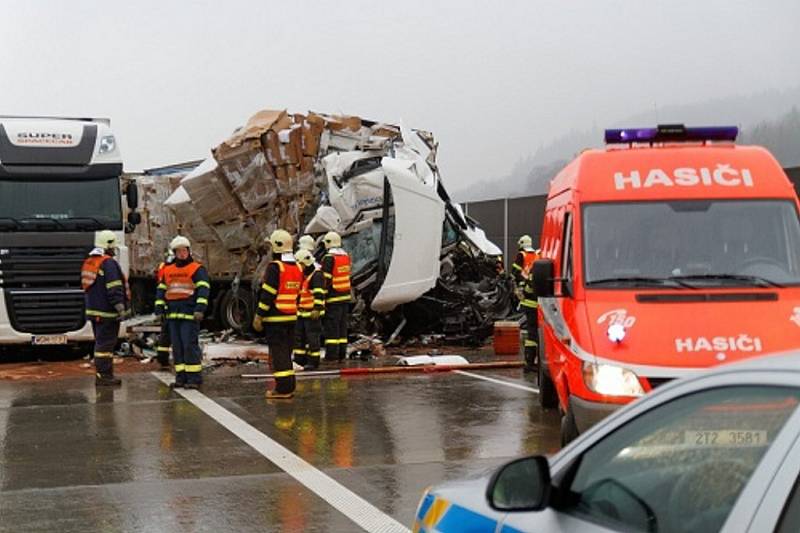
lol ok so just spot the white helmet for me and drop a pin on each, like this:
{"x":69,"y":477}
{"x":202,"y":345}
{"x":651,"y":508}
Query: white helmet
{"x":306,"y":242}
{"x":525,"y":242}
{"x":332,"y":240}
{"x":304,"y":257}
{"x":179,"y":242}
{"x":281,"y":241}
{"x":106,"y":239}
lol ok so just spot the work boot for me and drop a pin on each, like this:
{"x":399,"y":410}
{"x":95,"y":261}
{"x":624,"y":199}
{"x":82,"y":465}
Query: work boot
{"x":177,"y":384}
{"x":193,"y":386}
{"x":106,"y":381}
{"x":273,"y":395}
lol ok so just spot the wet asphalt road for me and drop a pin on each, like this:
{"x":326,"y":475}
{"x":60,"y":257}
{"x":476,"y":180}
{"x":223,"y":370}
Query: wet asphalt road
{"x":142,"y":458}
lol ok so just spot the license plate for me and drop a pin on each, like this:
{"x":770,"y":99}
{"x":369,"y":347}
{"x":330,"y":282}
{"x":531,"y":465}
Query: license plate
{"x":49,"y":340}
{"x":725,"y":437}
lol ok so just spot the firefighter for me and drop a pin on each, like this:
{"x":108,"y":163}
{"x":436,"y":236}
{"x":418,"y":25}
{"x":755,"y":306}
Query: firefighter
{"x":523,"y":275}
{"x":164,"y":343}
{"x":336,"y":269}
{"x":276,"y":313}
{"x":306,"y":242}
{"x":310,"y":310}
{"x":107,"y":297}
{"x":182,"y":299}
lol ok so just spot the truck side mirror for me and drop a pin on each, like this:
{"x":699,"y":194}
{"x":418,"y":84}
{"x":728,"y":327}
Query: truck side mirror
{"x":134,"y":219}
{"x":544,"y":278}
{"x":132,"y":195}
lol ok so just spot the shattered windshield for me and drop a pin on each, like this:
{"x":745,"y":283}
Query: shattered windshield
{"x":36,"y":204}
{"x":692,"y":243}
{"x":364,"y":246}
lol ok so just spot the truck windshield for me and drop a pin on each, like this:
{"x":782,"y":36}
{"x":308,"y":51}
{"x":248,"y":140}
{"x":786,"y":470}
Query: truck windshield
{"x":685,"y":244}
{"x":40,"y":204}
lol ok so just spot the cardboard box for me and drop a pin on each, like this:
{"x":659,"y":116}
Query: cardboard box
{"x":271,"y":145}
{"x":257,"y":125}
{"x":210,"y":194}
{"x":249,"y":174}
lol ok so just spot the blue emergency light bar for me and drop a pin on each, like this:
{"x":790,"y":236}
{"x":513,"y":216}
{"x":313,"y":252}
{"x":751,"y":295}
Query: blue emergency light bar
{"x":671,"y":132}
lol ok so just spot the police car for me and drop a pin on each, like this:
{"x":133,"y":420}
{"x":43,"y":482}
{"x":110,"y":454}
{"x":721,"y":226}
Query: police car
{"x":718,"y":451}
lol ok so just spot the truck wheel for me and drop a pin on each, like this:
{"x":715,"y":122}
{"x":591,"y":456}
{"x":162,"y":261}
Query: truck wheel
{"x":569,"y":429}
{"x":236,"y":310}
{"x":547,"y":390}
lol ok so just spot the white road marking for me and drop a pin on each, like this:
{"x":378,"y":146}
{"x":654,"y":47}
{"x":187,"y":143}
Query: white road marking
{"x":498,"y":381}
{"x":350,"y":504}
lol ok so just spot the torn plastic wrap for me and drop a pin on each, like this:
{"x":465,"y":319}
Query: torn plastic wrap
{"x":190,"y":223}
{"x":249,"y":174}
{"x":210,"y":194}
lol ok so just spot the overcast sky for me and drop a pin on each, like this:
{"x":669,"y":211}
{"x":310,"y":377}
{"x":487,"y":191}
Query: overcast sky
{"x":492,"y":80}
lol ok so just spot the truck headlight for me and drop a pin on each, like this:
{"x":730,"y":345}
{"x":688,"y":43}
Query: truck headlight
{"x":610,"y":380}
{"x":107,"y":144}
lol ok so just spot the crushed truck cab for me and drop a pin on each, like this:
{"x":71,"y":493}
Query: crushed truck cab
{"x":670,"y":251}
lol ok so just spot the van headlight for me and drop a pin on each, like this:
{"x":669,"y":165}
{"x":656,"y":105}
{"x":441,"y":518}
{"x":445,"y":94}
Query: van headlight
{"x":611,"y":380}
{"x":107,"y":144}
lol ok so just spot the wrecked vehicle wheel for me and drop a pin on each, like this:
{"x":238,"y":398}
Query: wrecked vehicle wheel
{"x":236,"y":309}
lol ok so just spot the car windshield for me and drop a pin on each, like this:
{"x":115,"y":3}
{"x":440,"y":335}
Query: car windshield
{"x":692,"y":243}
{"x":681,"y":466}
{"x":37,"y":204}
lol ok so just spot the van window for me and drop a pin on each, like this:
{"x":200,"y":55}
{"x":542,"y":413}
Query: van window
{"x":694,"y":242}
{"x":566,"y":248}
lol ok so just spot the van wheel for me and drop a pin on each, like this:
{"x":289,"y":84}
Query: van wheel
{"x":547,"y":390}
{"x":569,"y":429}
{"x":236,"y":310}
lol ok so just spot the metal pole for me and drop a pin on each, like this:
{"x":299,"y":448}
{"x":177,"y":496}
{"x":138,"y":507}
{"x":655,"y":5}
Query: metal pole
{"x":505,"y":233}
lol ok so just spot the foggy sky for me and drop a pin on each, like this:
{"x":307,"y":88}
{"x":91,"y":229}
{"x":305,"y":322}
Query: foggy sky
{"x":492,"y":80}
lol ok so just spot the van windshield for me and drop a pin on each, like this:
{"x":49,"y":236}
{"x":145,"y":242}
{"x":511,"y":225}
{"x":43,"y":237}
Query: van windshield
{"x":690,"y":243}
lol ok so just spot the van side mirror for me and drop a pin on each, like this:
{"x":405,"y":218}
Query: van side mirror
{"x":132,"y":195}
{"x":544,"y":278}
{"x":521,"y":485}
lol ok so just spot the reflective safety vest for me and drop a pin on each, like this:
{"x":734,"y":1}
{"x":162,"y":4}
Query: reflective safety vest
{"x":340,"y":281}
{"x":179,"y":281}
{"x":291,"y":280}
{"x":90,"y":270}
{"x":528,"y":258}
{"x":307,"y":296}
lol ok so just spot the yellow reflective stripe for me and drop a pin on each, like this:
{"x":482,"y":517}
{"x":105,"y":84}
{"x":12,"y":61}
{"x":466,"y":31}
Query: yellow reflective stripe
{"x":160,"y":302}
{"x":307,"y":314}
{"x":299,"y":351}
{"x":286,"y":318}
{"x":343,"y":340}
{"x":112,"y":284}
{"x":313,"y":354}
{"x":339,"y":299}
{"x":327,"y":275}
{"x":202,"y":301}
{"x":531,"y":343}
{"x":284,"y":374}
{"x":162,"y":286}
{"x":516,"y":266}
{"x":269,"y":288}
{"x":162,"y":349}
{"x":319,"y":302}
{"x":179,"y":368}
{"x":104,"y":354}
{"x":263,"y":306}
{"x":331,"y":341}
{"x":180,"y":316}
{"x":202,"y":284}
{"x":319,"y":291}
{"x":102,"y":314}
{"x":533,"y":304}
{"x":192,"y":368}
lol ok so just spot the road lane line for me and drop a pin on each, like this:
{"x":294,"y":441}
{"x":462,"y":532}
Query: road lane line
{"x":350,"y":504}
{"x":498,"y":381}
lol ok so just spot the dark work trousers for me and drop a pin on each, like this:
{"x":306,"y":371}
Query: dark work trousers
{"x":280,"y":338}
{"x":307,"y":341}
{"x":162,"y":347}
{"x":532,"y":340}
{"x":335,"y":330}
{"x":106,"y":332}
{"x":186,"y":351}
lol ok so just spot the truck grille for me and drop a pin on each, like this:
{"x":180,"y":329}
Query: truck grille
{"x":40,"y":312}
{"x":42,"y":286}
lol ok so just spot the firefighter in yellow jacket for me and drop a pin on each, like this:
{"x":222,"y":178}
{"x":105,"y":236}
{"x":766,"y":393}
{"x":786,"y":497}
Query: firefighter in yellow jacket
{"x":336,"y":269}
{"x":276,"y":313}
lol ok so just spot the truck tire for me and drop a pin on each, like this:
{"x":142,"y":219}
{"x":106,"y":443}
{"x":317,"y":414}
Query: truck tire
{"x":548,"y":398}
{"x":236,"y":310}
{"x":569,"y":429}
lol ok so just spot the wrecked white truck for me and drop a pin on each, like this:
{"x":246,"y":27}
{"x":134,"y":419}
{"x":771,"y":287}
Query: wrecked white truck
{"x":419,"y":264}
